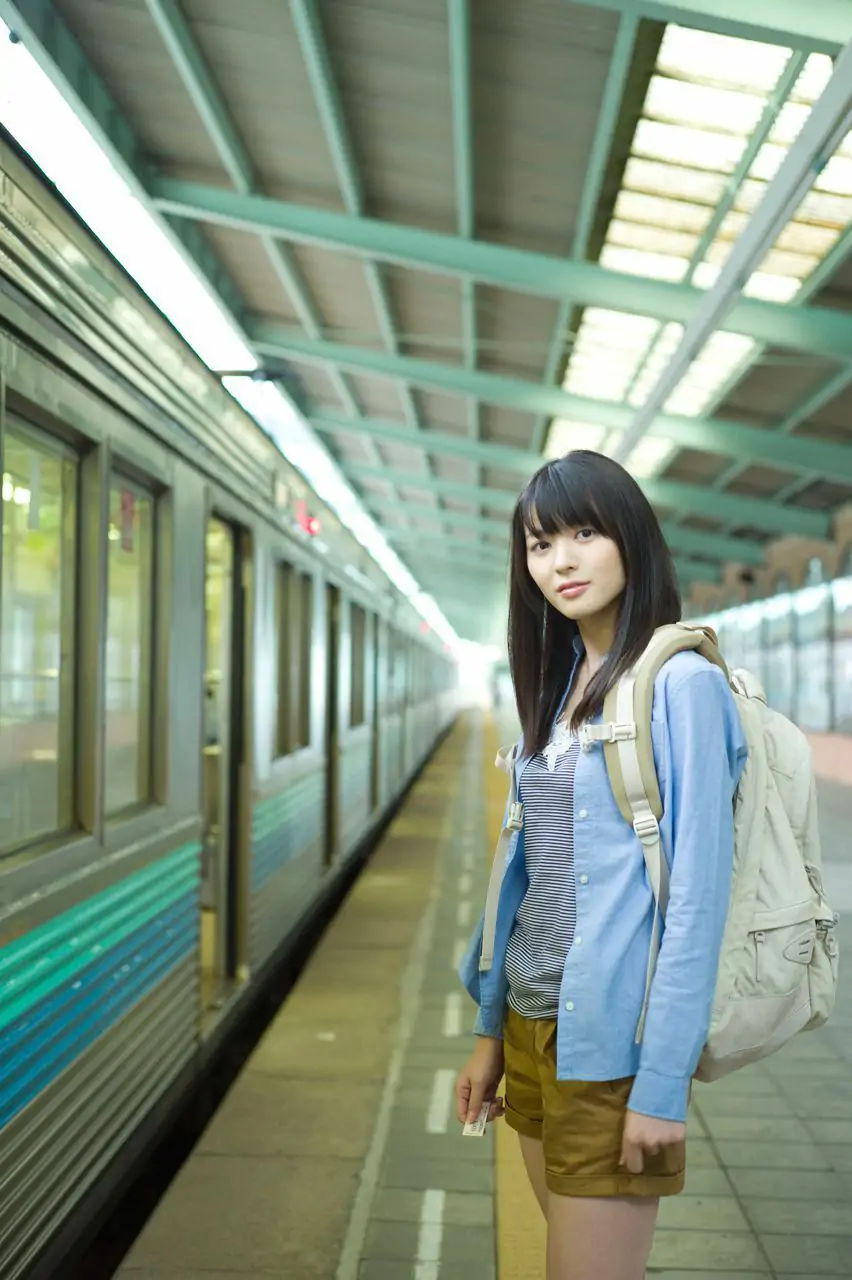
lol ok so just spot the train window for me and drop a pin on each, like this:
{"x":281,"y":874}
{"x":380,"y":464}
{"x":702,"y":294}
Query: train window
{"x":294,"y":609}
{"x":357,"y":712}
{"x":129,"y":648}
{"x":37,"y":660}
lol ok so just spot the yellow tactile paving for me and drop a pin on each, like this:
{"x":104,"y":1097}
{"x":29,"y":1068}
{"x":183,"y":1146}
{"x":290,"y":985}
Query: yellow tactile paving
{"x":520,"y":1225}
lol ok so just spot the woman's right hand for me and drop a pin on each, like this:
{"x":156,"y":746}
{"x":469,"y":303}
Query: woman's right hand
{"x":478,"y":1080}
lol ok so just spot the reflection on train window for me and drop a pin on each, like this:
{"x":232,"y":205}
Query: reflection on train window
{"x":127,"y":741}
{"x":294,"y":619}
{"x":359,"y":657}
{"x":37,"y":641}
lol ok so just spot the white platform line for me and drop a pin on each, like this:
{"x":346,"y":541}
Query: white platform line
{"x":458,"y":953}
{"x":431,"y":1236}
{"x":465,"y":885}
{"x":452,"y":1024}
{"x":411,"y":991}
{"x":463,"y":914}
{"x":440,"y":1101}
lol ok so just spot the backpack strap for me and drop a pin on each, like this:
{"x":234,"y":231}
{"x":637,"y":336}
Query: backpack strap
{"x":629,"y":756}
{"x":513,"y":822}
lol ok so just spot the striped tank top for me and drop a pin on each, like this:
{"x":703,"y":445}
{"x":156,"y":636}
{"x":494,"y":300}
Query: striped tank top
{"x":547,"y":917}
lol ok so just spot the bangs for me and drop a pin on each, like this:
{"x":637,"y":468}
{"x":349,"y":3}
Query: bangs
{"x":559,"y":497}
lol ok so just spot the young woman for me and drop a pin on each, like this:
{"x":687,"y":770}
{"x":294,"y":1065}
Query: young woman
{"x":601,"y":1117}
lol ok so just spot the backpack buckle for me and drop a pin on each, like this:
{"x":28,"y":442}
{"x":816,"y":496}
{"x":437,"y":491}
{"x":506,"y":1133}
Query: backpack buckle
{"x":647,"y":828}
{"x":515,"y":820}
{"x":589,"y":734}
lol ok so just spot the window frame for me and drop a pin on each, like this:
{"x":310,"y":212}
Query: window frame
{"x":16,"y":423}
{"x":122,"y":476}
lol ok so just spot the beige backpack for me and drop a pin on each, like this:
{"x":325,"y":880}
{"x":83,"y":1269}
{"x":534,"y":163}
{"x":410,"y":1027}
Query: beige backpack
{"x":779,"y":962}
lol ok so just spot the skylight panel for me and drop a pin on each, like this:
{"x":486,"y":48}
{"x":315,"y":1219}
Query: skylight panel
{"x":679,"y":102}
{"x":677,"y":181}
{"x":825,"y":210}
{"x":619,"y":327}
{"x":650,"y":456}
{"x":566,"y":434}
{"x":815,"y":75}
{"x":657,"y":266}
{"x":771,"y":288}
{"x":679,"y":215}
{"x":767,"y":162}
{"x":727,"y":61}
{"x":836,"y":177}
{"x":639,"y":235}
{"x":697,"y":148}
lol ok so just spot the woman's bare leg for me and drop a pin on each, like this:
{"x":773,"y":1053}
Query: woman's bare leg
{"x":599,"y":1239}
{"x":533,"y":1153}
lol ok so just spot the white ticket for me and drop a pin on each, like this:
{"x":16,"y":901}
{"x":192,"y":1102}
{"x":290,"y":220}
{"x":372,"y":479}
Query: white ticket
{"x":476,"y":1128}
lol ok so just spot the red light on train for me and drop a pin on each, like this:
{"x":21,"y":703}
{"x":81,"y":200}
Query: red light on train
{"x":309,"y":523}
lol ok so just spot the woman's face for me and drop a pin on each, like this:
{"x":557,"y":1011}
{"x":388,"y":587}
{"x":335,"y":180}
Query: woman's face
{"x":578,"y":571}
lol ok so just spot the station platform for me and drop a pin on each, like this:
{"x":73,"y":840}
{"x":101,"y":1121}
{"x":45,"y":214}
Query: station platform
{"x":336,"y":1155}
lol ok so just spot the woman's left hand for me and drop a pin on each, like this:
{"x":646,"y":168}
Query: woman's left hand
{"x":647,"y":1135}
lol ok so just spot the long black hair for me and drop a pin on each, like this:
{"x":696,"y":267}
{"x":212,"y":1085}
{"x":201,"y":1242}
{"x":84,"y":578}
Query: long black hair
{"x":583,"y":490}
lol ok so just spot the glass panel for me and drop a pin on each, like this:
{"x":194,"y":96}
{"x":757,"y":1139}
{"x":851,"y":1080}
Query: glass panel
{"x":699,"y":148}
{"x":656,"y":265}
{"x":815,"y":76}
{"x":640,"y":235}
{"x":836,"y":177}
{"x":722,"y":60}
{"x":295,"y":622}
{"x":127,"y":736}
{"x":566,"y":435}
{"x":678,"y":181}
{"x":37,"y":642}
{"x":679,"y":102}
{"x":771,"y":288}
{"x":635,"y":206}
{"x":356,"y":701}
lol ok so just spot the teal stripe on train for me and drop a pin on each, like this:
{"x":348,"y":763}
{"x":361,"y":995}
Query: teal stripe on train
{"x":50,"y":955}
{"x":286,"y":825}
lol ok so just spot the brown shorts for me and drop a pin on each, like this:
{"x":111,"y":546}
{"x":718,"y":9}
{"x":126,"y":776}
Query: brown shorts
{"x":579,"y":1123}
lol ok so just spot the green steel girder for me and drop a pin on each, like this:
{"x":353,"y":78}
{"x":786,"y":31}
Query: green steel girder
{"x":755,"y":512}
{"x":819,"y":25}
{"x":689,"y":542}
{"x":712,"y":435}
{"x":382,"y":507}
{"x":619,"y":67}
{"x":318,"y":65}
{"x":525,"y":462}
{"x":815,"y":329}
{"x":458,"y":21}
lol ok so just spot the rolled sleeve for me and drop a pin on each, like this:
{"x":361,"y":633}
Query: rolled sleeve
{"x":706,"y":751}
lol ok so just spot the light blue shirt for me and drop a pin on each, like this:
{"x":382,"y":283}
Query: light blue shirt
{"x":700,"y":750}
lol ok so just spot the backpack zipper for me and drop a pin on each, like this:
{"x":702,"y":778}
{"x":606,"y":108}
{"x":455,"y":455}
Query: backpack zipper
{"x":760,"y":942}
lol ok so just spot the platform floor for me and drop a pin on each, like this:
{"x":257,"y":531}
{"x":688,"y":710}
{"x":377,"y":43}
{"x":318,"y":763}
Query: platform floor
{"x":336,"y":1155}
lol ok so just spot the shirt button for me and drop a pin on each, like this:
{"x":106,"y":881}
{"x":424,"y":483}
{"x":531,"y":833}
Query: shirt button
{"x":584,"y":879}
{"x":570,"y":1006}
{"x":578,"y":941}
{"x":584,"y":813}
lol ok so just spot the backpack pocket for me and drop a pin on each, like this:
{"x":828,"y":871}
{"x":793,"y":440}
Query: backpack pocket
{"x":783,"y":943}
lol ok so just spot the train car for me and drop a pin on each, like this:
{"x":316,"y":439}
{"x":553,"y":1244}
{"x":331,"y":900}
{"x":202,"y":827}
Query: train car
{"x":208,"y":705}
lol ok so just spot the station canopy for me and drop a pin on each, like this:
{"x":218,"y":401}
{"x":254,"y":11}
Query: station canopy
{"x":462,"y":237}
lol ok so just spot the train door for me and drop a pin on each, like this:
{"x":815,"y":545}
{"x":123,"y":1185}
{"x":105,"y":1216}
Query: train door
{"x":332,"y":722}
{"x":375,"y":757}
{"x":223,"y":751}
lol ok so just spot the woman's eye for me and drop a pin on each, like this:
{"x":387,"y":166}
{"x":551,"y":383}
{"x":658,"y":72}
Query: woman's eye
{"x":539,"y":546}
{"x":585,"y":534}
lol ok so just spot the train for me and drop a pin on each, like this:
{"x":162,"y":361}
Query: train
{"x":211,"y":699}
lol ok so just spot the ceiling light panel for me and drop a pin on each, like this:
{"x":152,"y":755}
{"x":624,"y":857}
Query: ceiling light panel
{"x":705,"y":99}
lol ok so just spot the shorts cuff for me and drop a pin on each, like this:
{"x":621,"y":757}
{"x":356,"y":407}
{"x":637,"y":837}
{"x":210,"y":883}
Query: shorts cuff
{"x":529,"y":1128}
{"x":605,"y":1186}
